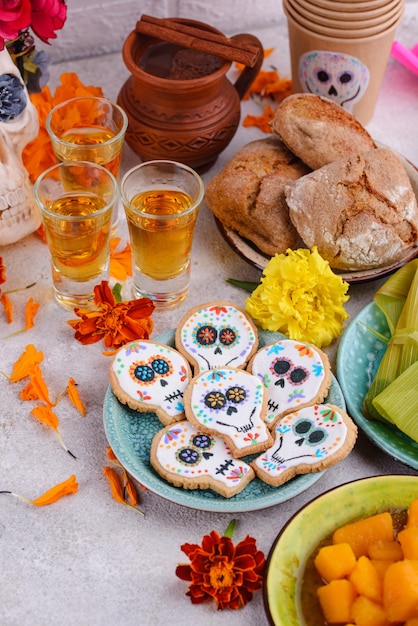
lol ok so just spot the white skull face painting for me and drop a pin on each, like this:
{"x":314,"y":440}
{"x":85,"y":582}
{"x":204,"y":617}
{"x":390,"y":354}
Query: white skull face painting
{"x":152,"y":377}
{"x":217,"y":336}
{"x":339,"y":77}
{"x":19,"y":215}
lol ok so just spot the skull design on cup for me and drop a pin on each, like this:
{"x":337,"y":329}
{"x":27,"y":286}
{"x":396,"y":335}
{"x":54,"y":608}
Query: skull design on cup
{"x":193,"y":459}
{"x":334,"y":75}
{"x":19,"y":215}
{"x":217,"y":336}
{"x":154,"y":377}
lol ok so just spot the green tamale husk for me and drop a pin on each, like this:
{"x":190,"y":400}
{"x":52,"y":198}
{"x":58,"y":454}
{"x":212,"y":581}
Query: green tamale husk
{"x":398,"y":403}
{"x":398,"y":300}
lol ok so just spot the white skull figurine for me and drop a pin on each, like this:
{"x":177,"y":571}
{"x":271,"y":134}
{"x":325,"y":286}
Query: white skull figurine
{"x":19,"y":215}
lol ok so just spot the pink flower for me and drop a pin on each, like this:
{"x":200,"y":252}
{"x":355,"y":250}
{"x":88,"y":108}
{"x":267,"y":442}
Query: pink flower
{"x":15,"y":15}
{"x":47,"y":17}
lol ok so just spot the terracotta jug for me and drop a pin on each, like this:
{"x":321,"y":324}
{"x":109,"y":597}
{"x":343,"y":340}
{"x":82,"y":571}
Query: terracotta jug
{"x":190,"y":120}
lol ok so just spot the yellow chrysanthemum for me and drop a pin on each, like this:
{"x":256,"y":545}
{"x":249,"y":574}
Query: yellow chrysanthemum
{"x":300,"y":296}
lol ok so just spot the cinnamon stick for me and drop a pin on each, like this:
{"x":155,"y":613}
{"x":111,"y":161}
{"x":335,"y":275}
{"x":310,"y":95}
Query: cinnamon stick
{"x":198,"y":39}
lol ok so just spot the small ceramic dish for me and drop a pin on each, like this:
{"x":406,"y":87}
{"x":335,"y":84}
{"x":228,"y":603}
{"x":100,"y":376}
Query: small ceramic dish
{"x":314,"y":522}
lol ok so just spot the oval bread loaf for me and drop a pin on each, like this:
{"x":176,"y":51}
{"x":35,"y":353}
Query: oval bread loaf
{"x":360,"y":211}
{"x":318,"y":130}
{"x":248,"y":194}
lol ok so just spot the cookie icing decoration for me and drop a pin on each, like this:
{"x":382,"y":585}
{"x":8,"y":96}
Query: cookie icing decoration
{"x":150,"y":376}
{"x":308,"y":440}
{"x":189,"y":458}
{"x":216,"y":334}
{"x":230,"y":403}
{"x":295,"y":375}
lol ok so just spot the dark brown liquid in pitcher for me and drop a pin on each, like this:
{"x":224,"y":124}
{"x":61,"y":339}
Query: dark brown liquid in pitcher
{"x":168,"y":60}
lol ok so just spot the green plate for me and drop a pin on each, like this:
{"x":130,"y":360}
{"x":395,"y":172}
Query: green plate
{"x":358,"y":358}
{"x":130,"y":437}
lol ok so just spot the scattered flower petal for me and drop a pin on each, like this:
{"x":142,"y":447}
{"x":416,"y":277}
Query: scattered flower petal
{"x":65,"y":488}
{"x":115,"y":484}
{"x":2,"y":271}
{"x":25,"y":363}
{"x":75,"y":396}
{"x":8,"y":307}
{"x":120,"y":262}
{"x":46,"y":415}
{"x":36,"y":389}
{"x":30,"y":312}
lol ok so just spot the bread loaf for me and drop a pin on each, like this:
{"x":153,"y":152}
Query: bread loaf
{"x":318,"y":130}
{"x":248,"y":194}
{"x":360,"y":211}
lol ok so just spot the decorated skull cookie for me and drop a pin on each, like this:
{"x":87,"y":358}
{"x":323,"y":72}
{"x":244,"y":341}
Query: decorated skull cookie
{"x":294,"y":374}
{"x":216,"y":335}
{"x":334,"y":75}
{"x":189,"y":458}
{"x":309,"y":440}
{"x":230,"y":403}
{"x":149,"y":376}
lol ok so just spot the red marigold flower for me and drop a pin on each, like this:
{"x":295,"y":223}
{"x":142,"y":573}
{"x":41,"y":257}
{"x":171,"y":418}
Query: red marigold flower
{"x":47,"y":17}
{"x":116,"y":323}
{"x":14,"y":17}
{"x":221,"y":571}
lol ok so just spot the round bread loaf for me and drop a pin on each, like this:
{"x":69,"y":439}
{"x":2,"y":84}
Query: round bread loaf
{"x":248,"y":194}
{"x":319,"y":130}
{"x":360,"y":211}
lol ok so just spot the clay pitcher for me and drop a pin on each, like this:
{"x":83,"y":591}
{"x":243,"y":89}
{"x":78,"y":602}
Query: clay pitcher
{"x":188,"y":120}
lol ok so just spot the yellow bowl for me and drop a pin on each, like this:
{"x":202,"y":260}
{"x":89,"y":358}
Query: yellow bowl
{"x":315,"y":521}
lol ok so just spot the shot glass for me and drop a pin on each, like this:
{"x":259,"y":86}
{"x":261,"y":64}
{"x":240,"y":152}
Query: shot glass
{"x":76,"y":201}
{"x":91,"y":129}
{"x":161,"y":201}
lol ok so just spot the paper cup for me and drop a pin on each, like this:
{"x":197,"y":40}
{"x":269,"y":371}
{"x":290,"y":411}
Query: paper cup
{"x":347,"y":70}
{"x":307,"y":20}
{"x":344,"y":20}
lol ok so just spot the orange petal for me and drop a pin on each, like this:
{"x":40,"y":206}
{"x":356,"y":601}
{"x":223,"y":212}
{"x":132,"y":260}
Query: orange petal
{"x":25,"y":363}
{"x":261,"y":121}
{"x":38,"y":385}
{"x":30,"y":312}
{"x":116,"y":487}
{"x":131,"y":495}
{"x":8,"y":307}
{"x":111,"y":455}
{"x":75,"y":397}
{"x":65,"y":488}
{"x":120,"y":262}
{"x":2,"y":271}
{"x":45,"y":415}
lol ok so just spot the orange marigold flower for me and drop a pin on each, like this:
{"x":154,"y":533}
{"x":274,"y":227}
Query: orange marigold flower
{"x":75,"y":396}
{"x":8,"y":307}
{"x":25,"y":363}
{"x":65,"y":488}
{"x":30,"y":312}
{"x":221,"y":571}
{"x":116,"y":323}
{"x":120,"y":262}
{"x":2,"y":271}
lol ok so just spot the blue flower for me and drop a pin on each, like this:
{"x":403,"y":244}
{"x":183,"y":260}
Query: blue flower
{"x":12,"y":97}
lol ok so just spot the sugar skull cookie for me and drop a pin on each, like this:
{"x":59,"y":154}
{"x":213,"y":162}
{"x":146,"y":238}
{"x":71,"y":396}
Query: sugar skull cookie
{"x":191,"y":459}
{"x":308,"y":440}
{"x":149,"y":376}
{"x":295,"y":375}
{"x":216,"y":334}
{"x":229,"y":403}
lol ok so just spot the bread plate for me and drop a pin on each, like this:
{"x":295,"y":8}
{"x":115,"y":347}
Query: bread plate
{"x":130,"y":435}
{"x":250,"y":253}
{"x":358,"y":358}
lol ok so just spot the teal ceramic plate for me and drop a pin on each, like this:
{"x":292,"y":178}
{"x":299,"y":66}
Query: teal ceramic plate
{"x":358,"y":358}
{"x":315,"y":521}
{"x":130,"y":437}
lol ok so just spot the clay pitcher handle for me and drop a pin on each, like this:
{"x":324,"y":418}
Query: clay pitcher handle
{"x":248,"y":74}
